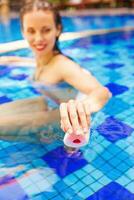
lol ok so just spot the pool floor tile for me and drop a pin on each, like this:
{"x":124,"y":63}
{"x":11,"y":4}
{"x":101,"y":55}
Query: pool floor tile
{"x":102,"y":170}
{"x":114,"y":65}
{"x":62,"y":163}
{"x":10,"y":189}
{"x":113,"y":168}
{"x":116,"y":106}
{"x":117,"y":89}
{"x":112,"y":191}
{"x":123,"y":180}
{"x":113,"y":129}
{"x":5,"y":99}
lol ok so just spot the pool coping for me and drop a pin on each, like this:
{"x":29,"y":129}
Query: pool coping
{"x":84,"y":12}
{"x":21,"y":44}
{"x":109,"y":11}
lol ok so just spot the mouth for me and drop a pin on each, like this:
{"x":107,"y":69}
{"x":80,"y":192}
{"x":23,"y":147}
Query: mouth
{"x":40,"y":47}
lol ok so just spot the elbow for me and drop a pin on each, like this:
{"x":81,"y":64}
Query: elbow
{"x":107,"y":92}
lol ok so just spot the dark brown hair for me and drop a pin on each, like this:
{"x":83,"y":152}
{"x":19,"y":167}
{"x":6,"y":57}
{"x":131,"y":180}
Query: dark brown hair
{"x":30,"y":5}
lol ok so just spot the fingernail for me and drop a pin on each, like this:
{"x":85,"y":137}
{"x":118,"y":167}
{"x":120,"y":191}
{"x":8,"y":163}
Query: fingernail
{"x":85,"y":130}
{"x":79,"y":132}
{"x":69,"y":131}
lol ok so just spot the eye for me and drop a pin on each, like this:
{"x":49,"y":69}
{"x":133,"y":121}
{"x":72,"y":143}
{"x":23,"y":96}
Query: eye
{"x":46,"y":30}
{"x":31,"y":30}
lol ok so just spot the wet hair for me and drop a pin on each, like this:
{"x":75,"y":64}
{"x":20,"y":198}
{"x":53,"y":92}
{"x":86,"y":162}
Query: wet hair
{"x":30,"y":5}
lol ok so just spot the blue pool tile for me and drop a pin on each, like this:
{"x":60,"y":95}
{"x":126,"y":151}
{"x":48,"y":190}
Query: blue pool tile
{"x":123,"y":156}
{"x":131,"y":46}
{"x":111,"y":53}
{"x":98,"y":162}
{"x":35,"y":91}
{"x":123,"y":167}
{"x":115,"y":161}
{"x":44,"y":195}
{"x":130,"y":173}
{"x":116,"y":89}
{"x":63,"y":163}
{"x":58,"y":197}
{"x":4,"y":71}
{"x":113,"y":76}
{"x":112,"y":191}
{"x":104,"y":180}
{"x":87,"y":59}
{"x":60,"y":185}
{"x":88,"y":168}
{"x":96,"y":174}
{"x":49,"y":195}
{"x":106,"y":168}
{"x":101,"y":40}
{"x":123,"y":180}
{"x":114,"y":167}
{"x":88,"y":180}
{"x":80,"y":173}
{"x":68,"y":193}
{"x":75,"y":198}
{"x":95,"y":186}
{"x":130,"y":187}
{"x":114,"y":65}
{"x":85,"y":43}
{"x":113,"y":129}
{"x":115,"y":106}
{"x":107,"y":155}
{"x":37,"y":197}
{"x":78,"y":186}
{"x":19,"y":77}
{"x":114,"y":150}
{"x":5,"y":99}
{"x":9,"y":185}
{"x":114,"y":174}
{"x":85,"y":192}
{"x":3,"y":153}
{"x":71,"y":179}
{"x":2,"y":67}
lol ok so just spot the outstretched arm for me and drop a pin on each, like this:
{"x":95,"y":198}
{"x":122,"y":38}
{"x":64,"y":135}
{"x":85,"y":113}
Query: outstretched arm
{"x":77,"y":112}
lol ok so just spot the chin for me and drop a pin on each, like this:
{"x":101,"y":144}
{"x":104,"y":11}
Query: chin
{"x":40,"y":53}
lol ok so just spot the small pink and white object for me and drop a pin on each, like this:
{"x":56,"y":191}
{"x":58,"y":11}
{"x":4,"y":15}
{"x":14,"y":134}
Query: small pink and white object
{"x":76,"y":141}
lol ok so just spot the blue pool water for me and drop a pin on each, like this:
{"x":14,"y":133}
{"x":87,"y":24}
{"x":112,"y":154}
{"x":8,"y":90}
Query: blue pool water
{"x":71,"y":24}
{"x":102,"y":170}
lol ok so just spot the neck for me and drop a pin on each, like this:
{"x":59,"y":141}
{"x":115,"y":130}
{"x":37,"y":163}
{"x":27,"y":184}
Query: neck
{"x":44,"y":60}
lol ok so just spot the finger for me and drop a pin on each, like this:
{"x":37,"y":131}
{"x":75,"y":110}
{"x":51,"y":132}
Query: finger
{"x":62,"y":126}
{"x":88,"y":112}
{"x":65,"y":118}
{"x":82,"y":116}
{"x":74,"y":117}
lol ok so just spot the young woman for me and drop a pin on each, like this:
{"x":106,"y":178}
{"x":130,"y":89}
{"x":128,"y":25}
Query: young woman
{"x":41,"y":27}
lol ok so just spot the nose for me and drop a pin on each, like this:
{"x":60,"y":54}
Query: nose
{"x":38,"y":37}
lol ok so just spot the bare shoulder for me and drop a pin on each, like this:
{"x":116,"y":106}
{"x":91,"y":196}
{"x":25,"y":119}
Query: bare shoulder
{"x":65,"y":65}
{"x":66,"y":61}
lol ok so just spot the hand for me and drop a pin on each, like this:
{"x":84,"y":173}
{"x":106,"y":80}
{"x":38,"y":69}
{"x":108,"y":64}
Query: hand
{"x":75,"y":116}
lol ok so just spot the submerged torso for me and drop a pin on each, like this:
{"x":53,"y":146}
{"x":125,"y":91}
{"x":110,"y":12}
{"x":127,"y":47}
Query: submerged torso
{"x":48,"y":80}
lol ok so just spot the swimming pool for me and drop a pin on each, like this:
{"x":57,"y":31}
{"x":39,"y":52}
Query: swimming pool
{"x":104,"y":169}
{"x":71,"y":24}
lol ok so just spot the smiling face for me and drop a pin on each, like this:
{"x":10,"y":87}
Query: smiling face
{"x":40,"y":30}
